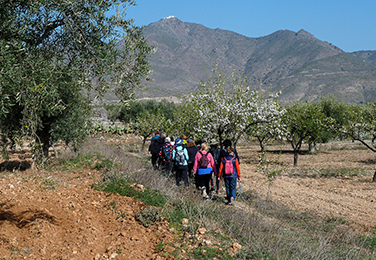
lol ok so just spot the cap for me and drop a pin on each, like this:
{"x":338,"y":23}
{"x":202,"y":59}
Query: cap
{"x":178,"y":141}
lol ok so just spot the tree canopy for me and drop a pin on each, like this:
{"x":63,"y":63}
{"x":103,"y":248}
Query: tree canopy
{"x":226,"y":106}
{"x":53,"y":50}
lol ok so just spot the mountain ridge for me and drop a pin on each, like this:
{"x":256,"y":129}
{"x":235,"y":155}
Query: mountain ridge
{"x":297,"y":63}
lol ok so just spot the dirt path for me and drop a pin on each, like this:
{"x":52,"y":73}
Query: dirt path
{"x":352,"y":198}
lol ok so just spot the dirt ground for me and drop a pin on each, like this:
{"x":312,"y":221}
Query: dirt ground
{"x":74,"y":221}
{"x":351,"y":198}
{"x":59,"y":215}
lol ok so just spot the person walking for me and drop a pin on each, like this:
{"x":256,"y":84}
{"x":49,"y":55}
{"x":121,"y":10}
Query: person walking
{"x":192,"y":151}
{"x":230,"y":170}
{"x":154,"y":149}
{"x":165,"y":153}
{"x":180,"y":158}
{"x":203,"y":168}
{"x":215,"y":152}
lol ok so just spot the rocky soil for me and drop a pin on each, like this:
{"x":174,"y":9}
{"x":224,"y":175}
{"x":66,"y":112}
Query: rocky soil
{"x":58,"y":215}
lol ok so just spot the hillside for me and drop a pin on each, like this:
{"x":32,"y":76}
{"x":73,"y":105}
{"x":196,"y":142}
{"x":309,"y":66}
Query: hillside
{"x":303,"y":66}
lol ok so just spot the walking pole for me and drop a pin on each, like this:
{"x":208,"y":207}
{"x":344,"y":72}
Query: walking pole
{"x":240,"y":189}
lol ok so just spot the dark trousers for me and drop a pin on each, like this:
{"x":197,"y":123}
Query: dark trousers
{"x":166,"y":168}
{"x":181,"y":173}
{"x":204,"y":180}
{"x":154,"y":158}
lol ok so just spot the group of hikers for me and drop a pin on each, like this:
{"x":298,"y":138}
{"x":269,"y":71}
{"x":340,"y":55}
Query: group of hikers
{"x":197,"y":160}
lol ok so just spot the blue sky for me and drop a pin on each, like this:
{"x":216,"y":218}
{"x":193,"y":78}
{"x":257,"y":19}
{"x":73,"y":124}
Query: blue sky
{"x":348,"y":24}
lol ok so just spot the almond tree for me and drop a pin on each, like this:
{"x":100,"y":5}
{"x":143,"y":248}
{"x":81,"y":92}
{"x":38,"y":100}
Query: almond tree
{"x":147,"y":123}
{"x":304,"y":122}
{"x":360,"y":125}
{"x":266,"y":131}
{"x":226,"y":106}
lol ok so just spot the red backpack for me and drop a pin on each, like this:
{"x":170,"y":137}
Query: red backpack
{"x":229,"y":167}
{"x":204,"y":160}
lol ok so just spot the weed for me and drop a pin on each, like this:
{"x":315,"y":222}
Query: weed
{"x":49,"y":183}
{"x":148,"y":216}
{"x":370,"y":242}
{"x":149,"y":197}
{"x":206,"y":252}
{"x":121,"y":215}
{"x":160,"y":246}
{"x":112,"y":205}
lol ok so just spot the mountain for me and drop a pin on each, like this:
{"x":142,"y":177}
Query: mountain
{"x":297,"y":63}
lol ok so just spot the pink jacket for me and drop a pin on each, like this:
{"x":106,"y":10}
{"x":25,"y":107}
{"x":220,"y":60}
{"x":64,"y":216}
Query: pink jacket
{"x":196,"y":164}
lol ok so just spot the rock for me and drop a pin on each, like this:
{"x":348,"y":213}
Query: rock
{"x":201,"y":231}
{"x":185,"y":221}
{"x":236,"y":247}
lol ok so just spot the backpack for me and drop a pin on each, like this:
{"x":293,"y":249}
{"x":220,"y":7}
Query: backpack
{"x":204,"y":160}
{"x":154,"y":147}
{"x":179,"y":157}
{"x":229,"y":167}
{"x":167,"y":153}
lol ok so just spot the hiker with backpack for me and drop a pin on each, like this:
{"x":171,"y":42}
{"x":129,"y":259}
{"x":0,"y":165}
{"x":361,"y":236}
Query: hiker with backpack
{"x":180,"y":160}
{"x":215,"y":152}
{"x":165,"y":153}
{"x":154,"y":149}
{"x":230,"y":171}
{"x":192,"y":151}
{"x":160,"y":142}
{"x":203,"y":168}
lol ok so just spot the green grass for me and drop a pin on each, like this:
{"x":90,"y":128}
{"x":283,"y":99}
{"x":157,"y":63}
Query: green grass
{"x":149,"y":197}
{"x":94,"y":161}
{"x":370,"y":242}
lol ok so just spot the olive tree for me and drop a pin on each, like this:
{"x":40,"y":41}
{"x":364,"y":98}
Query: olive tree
{"x":53,"y":50}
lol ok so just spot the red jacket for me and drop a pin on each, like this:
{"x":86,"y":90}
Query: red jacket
{"x":236,"y":172}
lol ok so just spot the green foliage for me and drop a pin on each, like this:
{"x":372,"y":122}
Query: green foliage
{"x":336,"y":110}
{"x":81,"y":161}
{"x":49,"y":183}
{"x":148,"y":216}
{"x":149,"y":197}
{"x":52,"y":51}
{"x":111,"y":129}
{"x":370,"y":242}
{"x":304,"y":122}
{"x":135,"y":108}
{"x":206,"y":252}
{"x":360,"y":124}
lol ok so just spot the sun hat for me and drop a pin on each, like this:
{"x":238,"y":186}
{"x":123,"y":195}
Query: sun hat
{"x":178,"y":141}
{"x":189,"y":141}
{"x":167,"y":139}
{"x":213,"y":142}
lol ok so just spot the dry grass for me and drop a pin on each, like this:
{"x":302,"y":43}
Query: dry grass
{"x":266,"y":229}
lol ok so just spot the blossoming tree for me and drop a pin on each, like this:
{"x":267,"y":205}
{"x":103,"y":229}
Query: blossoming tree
{"x":226,"y":106}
